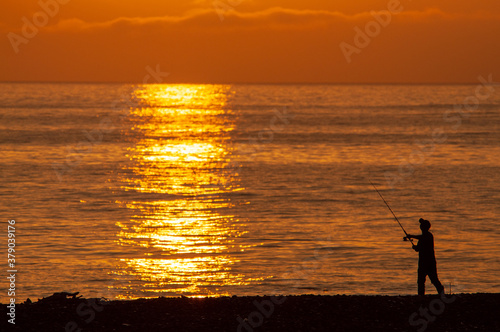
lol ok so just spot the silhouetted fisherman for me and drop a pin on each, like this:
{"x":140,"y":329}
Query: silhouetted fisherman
{"x":426,"y":258}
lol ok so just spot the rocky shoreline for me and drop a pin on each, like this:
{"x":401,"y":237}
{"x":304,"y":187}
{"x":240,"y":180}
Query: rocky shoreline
{"x":459,"y":312}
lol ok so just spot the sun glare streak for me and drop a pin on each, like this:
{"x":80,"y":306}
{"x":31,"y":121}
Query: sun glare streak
{"x":181,"y":151}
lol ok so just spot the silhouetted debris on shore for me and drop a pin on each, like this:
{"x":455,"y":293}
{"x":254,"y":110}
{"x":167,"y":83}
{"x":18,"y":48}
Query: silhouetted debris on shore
{"x":67,"y":312}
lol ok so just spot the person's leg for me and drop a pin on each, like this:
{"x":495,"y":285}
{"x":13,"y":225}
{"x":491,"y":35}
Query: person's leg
{"x":435,"y":281}
{"x":421,"y":280}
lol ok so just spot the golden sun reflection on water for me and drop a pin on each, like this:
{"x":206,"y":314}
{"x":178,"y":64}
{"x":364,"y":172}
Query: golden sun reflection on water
{"x":181,"y":183}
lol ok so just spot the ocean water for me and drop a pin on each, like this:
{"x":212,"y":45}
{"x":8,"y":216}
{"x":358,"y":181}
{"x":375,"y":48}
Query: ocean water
{"x":127,"y":191}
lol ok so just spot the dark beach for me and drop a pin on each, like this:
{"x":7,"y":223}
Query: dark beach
{"x":460,"y":312}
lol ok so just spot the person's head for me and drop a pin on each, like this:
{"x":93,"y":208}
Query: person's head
{"x":424,"y":225}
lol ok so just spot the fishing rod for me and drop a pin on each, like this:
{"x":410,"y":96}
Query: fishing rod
{"x":391,"y":212}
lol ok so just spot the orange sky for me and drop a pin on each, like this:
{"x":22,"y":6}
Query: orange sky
{"x":257,"y":41}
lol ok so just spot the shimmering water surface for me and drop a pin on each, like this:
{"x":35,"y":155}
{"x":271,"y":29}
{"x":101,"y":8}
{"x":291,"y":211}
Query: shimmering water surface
{"x":128,"y":191}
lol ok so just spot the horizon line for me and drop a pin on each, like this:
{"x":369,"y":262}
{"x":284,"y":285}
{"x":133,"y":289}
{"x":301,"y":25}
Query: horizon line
{"x":241,"y":83}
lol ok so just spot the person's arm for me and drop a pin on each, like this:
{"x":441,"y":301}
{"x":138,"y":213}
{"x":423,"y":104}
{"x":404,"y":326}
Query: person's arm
{"x":409,"y":236}
{"x":418,"y":237}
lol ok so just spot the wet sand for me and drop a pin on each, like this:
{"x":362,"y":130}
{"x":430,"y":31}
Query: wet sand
{"x":460,"y":312}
